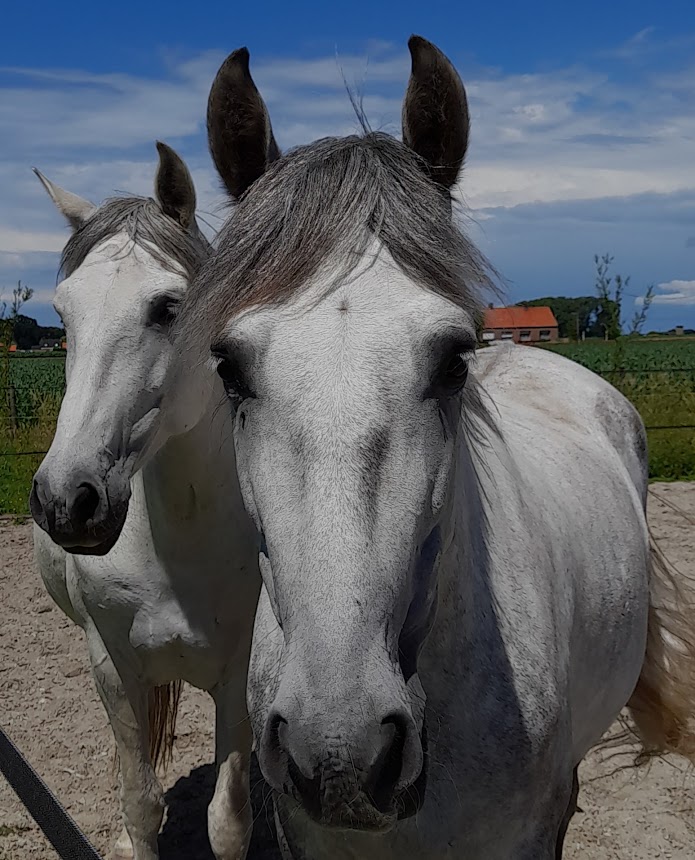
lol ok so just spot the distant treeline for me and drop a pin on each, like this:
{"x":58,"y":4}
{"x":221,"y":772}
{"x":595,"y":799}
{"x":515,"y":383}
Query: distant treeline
{"x":583,"y":314}
{"x":28,"y":333}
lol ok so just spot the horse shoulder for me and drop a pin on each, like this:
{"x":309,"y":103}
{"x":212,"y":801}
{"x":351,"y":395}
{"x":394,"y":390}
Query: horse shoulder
{"x":566,"y":397}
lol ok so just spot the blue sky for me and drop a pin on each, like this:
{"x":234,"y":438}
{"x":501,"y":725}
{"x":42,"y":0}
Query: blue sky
{"x":583,"y":135}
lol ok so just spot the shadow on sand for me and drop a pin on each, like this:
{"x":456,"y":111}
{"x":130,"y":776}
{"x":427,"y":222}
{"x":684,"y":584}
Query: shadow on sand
{"x":185,"y":831}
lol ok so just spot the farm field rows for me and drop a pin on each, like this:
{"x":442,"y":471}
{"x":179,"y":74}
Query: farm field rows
{"x":636,"y":354}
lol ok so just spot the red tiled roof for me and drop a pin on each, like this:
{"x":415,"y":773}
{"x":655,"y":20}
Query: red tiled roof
{"x":520,"y":317}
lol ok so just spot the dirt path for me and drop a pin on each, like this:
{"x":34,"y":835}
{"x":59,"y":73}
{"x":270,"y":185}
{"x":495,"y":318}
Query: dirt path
{"x":49,"y":707}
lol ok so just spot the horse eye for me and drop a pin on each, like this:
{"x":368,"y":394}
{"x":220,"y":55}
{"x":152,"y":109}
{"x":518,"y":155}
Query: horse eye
{"x":234,"y":385}
{"x":455,"y":373}
{"x":227,"y":372}
{"x":163,"y":311}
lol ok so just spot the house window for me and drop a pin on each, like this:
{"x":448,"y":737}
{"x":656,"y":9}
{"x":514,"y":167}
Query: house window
{"x":507,"y":335}
{"x":525,"y":336}
{"x":544,"y":334}
{"x":488,"y":335}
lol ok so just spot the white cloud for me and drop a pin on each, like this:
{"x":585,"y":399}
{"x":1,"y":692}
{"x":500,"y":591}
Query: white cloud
{"x":18,"y":241}
{"x":676,"y":293}
{"x":591,"y":139}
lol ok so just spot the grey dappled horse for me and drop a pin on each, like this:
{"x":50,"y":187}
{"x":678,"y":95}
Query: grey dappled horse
{"x":458,"y":590}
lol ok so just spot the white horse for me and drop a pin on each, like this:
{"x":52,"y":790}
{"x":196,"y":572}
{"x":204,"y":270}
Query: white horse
{"x":459,"y":594}
{"x":143,"y":538}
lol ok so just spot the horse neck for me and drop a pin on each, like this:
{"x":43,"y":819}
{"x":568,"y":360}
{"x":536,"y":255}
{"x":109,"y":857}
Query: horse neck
{"x":192,"y":479}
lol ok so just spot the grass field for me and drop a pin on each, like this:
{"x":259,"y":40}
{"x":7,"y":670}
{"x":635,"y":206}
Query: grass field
{"x":658,"y":376}
{"x":38,"y":382}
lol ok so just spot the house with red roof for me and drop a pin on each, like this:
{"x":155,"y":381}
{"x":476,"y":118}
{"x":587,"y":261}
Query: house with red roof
{"x":520,"y":325}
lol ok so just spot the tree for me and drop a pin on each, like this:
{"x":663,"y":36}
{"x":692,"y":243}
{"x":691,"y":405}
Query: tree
{"x":27,"y":332}
{"x":574,"y":315}
{"x":610,"y":290}
{"x":20,"y":296}
{"x":640,"y":316}
{"x":8,"y":321}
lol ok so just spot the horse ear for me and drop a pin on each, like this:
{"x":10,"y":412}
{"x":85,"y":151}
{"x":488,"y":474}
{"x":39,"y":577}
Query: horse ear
{"x":435,"y":112}
{"x":173,"y":187}
{"x":75,"y":209}
{"x":239,"y":132}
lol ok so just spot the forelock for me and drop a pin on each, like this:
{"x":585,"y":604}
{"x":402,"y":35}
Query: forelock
{"x":142,"y":219}
{"x":325,"y":203}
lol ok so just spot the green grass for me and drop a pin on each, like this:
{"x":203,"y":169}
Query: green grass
{"x":16,"y":473}
{"x":38,"y":385}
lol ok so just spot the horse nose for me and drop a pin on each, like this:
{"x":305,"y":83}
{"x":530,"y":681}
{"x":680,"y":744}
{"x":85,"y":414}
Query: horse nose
{"x":77,"y":510}
{"x":382,"y":758}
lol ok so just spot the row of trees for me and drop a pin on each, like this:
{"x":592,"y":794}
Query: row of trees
{"x":8,"y":318}
{"x":600,"y":315}
{"x":17,"y":328}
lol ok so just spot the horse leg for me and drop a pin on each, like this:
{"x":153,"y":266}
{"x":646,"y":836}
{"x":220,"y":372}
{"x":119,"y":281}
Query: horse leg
{"x":571,"y":809}
{"x":230,"y":817}
{"x":123,"y":848}
{"x":545,"y":842}
{"x":142,"y":802}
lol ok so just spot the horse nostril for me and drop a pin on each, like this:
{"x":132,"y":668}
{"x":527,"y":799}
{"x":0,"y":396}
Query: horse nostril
{"x":280,"y":758}
{"x":390,"y":764}
{"x":36,"y":506}
{"x":84,"y":504}
{"x":308,"y":788}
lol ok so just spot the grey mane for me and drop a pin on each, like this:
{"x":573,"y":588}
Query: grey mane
{"x":144,"y":222}
{"x":326,"y":202}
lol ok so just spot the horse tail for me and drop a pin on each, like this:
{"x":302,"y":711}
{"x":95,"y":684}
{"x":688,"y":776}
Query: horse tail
{"x":663,"y":702}
{"x":163,"y":706}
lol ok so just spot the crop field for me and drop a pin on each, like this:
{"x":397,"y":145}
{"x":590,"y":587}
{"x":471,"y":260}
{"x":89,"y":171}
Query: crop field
{"x":37,"y":385}
{"x":638,"y":354}
{"x":658,"y":376}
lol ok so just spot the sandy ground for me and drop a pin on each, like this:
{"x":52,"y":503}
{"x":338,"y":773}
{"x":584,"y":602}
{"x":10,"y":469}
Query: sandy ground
{"x":49,"y":707}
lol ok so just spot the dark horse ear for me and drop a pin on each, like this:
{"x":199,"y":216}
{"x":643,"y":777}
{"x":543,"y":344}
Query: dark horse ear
{"x":435,"y":112}
{"x":173,"y":187}
{"x":239,"y":132}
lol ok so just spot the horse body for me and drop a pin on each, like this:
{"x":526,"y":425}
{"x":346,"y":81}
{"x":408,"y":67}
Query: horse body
{"x":141,"y":537}
{"x":539,"y":636}
{"x":459,"y":594}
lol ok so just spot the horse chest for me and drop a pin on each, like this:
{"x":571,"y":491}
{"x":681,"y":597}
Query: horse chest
{"x":180,"y":620}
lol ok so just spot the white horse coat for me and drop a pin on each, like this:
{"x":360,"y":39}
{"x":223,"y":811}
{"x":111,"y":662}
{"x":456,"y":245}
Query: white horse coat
{"x":458,"y":593}
{"x":160,"y":561}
